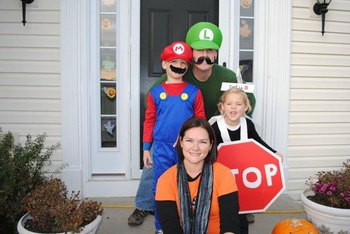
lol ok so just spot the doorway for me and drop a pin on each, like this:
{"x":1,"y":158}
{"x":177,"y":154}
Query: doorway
{"x":163,"y":22}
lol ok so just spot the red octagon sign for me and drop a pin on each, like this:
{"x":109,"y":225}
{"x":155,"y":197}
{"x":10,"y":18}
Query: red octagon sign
{"x":258,"y":172}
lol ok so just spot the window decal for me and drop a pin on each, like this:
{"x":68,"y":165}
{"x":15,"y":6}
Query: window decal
{"x":245,"y":31}
{"x":108,"y":2}
{"x":246,"y":3}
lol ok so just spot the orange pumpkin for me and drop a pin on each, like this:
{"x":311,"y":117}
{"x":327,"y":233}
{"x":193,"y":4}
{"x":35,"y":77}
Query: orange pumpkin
{"x":294,"y":226}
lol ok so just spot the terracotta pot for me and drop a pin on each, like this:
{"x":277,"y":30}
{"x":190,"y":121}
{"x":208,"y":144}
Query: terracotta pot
{"x":91,"y":228}
{"x":326,"y":219}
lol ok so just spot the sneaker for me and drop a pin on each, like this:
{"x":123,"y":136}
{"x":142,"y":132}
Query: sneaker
{"x":250,"y":218}
{"x":136,"y":218}
{"x":159,"y":232}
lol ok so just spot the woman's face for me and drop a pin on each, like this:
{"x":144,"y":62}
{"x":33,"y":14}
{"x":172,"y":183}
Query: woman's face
{"x":195,"y":145}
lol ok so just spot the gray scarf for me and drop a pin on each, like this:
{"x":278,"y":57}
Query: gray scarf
{"x":195,"y":221}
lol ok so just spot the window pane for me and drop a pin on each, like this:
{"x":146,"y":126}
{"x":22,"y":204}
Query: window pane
{"x":108,"y":64}
{"x":108,"y":132}
{"x":108,"y":30}
{"x":247,"y":8}
{"x":108,"y":97}
{"x":246,"y":65}
{"x":246,"y":34}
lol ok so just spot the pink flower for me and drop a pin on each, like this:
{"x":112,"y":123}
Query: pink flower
{"x":332,"y":187}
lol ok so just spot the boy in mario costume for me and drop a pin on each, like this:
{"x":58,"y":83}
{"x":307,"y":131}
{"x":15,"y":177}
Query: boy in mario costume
{"x":169,"y":105}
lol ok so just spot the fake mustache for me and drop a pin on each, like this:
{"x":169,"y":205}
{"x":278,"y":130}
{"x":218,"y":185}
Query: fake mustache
{"x":201,"y":60}
{"x":177,"y":69}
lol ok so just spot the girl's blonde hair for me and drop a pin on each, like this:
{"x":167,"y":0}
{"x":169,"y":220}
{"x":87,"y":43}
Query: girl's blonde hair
{"x":237,"y":91}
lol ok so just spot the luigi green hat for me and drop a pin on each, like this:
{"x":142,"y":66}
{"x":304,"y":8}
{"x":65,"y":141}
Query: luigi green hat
{"x":204,"y":35}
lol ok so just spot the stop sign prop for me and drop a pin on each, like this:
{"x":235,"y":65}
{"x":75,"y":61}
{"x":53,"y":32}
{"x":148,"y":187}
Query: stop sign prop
{"x":258,"y":172}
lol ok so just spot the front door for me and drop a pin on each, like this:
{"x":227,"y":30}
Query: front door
{"x":163,"y":22}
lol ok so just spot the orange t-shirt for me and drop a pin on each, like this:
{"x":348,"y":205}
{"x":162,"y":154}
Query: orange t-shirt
{"x":223,"y":183}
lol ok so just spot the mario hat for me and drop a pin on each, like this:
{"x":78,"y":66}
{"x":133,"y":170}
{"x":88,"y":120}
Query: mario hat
{"x":177,"y":50}
{"x":204,"y":35}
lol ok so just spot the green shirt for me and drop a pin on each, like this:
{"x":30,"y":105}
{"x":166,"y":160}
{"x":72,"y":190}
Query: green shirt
{"x":211,"y":89}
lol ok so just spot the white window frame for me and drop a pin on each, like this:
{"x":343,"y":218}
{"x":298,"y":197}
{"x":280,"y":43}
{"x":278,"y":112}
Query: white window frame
{"x":135,"y":46}
{"x":115,"y":155}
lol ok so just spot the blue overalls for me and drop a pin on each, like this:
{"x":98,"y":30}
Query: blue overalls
{"x":172,"y":112}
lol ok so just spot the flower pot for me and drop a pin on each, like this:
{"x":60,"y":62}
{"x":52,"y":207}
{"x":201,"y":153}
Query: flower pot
{"x":91,"y":228}
{"x":326,"y":219}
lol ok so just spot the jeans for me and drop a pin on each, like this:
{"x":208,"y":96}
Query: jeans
{"x":144,"y":196}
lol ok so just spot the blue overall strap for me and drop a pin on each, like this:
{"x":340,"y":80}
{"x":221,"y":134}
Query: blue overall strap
{"x":159,"y":94}
{"x":191,"y":91}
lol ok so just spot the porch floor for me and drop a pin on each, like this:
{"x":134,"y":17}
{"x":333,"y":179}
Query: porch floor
{"x":117,"y":211}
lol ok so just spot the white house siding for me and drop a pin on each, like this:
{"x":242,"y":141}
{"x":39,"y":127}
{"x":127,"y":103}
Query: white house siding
{"x":30,"y":101}
{"x":319,"y":120}
{"x":319,"y":125}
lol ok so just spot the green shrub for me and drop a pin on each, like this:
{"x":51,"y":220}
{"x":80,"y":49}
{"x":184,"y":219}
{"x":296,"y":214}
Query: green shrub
{"x":22,"y":169}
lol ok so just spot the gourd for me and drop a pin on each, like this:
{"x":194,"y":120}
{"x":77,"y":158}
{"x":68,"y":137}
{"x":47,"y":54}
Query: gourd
{"x":294,"y":226}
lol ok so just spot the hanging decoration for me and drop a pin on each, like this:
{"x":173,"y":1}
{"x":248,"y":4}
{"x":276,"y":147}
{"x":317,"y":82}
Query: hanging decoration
{"x":106,"y":24}
{"x":246,"y":3}
{"x":110,"y":92}
{"x":108,"y":69}
{"x":108,"y":64}
{"x":108,"y":2}
{"x":245,"y":31}
{"x":110,"y":127}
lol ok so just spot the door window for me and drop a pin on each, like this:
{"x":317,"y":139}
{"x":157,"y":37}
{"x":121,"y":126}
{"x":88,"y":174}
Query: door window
{"x":108,"y":81}
{"x":108,"y":90}
{"x":246,"y":39}
{"x":237,"y":22}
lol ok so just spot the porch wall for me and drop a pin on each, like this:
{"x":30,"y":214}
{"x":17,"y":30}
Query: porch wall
{"x":319,"y":125}
{"x":319,"y":120}
{"x":30,"y":93}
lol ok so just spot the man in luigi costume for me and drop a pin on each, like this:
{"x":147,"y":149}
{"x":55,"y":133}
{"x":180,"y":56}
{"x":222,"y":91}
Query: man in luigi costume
{"x":205,"y":39}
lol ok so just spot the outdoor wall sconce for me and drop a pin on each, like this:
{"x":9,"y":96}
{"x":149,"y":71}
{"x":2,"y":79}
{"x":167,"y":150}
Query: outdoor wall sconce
{"x":24,"y":4}
{"x":320,"y":8}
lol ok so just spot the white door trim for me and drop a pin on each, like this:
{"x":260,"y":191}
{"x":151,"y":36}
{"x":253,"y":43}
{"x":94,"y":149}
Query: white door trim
{"x":135,"y":90}
{"x":274,"y":27}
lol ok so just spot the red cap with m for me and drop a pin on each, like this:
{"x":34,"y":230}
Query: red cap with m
{"x":177,"y":50}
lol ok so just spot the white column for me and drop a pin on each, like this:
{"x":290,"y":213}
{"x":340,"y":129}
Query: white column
{"x":74,"y":83}
{"x":277,"y":92}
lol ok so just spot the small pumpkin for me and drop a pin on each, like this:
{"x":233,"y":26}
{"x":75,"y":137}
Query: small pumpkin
{"x":294,"y":226}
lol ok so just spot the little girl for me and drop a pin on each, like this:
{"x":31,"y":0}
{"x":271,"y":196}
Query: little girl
{"x":232,"y":125}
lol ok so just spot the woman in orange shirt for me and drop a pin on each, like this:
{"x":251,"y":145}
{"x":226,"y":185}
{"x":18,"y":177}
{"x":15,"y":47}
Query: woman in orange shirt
{"x":198,"y":195}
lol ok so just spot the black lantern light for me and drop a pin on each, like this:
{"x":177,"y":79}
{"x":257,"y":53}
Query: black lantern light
{"x":24,"y":4}
{"x":320,"y":8}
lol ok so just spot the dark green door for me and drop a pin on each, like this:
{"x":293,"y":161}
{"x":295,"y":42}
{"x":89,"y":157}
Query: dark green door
{"x":163,"y":22}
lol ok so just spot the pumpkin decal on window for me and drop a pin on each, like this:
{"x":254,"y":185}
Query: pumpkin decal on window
{"x":294,"y":226}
